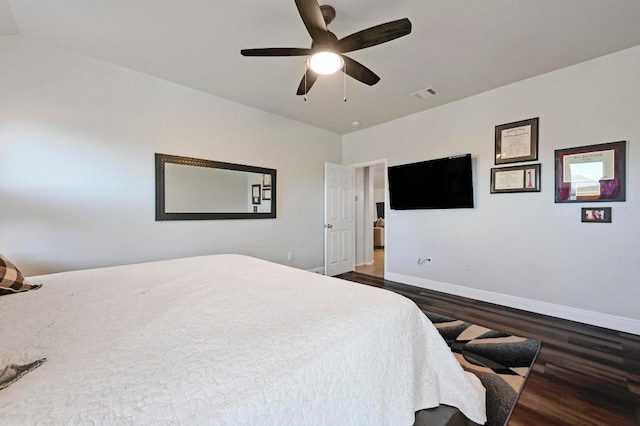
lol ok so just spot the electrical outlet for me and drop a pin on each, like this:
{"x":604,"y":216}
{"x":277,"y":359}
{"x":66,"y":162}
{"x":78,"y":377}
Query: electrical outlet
{"x":467,"y":268}
{"x":290,"y":256}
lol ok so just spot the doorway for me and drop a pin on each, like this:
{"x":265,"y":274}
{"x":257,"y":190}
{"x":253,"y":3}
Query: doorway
{"x":370,"y":218}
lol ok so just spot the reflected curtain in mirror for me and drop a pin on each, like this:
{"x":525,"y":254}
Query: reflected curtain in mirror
{"x":196,"y":189}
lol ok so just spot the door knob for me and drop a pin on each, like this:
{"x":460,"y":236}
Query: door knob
{"x":329,"y":225}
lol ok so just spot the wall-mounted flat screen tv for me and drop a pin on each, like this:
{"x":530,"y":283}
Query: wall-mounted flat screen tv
{"x":445,"y":183}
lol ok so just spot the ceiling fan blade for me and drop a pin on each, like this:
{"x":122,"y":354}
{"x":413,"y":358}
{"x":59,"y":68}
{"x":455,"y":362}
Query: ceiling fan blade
{"x":314,"y":21}
{"x":276,"y":51}
{"x":358,"y":71}
{"x":373,"y":36}
{"x":311,"y":78}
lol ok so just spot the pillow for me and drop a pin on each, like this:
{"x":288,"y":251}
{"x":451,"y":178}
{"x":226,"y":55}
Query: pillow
{"x":13,"y":372}
{"x":11,"y":280}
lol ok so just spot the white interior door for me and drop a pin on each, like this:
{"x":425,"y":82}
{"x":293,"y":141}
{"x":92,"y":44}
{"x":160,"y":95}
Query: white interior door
{"x":339,"y":219}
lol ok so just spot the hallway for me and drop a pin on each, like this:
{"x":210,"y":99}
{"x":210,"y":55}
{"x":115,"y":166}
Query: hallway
{"x":376,"y":269}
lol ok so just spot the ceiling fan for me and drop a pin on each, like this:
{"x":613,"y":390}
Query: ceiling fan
{"x":325,"y":45}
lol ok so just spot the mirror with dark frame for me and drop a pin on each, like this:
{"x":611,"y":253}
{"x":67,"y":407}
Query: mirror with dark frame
{"x":196,"y":189}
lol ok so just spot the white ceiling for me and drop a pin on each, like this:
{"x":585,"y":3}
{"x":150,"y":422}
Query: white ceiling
{"x":458,"y":47}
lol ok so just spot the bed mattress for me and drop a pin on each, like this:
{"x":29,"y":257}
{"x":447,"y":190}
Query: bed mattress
{"x":223,"y":340}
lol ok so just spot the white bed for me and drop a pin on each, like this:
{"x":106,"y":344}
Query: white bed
{"x":224,"y":339}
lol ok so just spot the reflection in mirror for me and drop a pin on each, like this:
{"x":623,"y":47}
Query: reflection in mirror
{"x":196,"y":189}
{"x":191,"y":189}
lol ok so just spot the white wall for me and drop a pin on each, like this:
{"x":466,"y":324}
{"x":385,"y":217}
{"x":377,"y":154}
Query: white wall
{"x":523,"y":249}
{"x":379,"y":172}
{"x":361,"y":226}
{"x":77,"y":144}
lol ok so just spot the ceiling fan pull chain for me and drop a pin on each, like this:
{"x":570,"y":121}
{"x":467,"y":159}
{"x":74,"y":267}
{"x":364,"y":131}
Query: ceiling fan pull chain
{"x":344,"y":84}
{"x":305,"y":83}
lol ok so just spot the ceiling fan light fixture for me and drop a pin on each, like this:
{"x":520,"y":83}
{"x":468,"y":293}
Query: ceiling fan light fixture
{"x":325,"y":62}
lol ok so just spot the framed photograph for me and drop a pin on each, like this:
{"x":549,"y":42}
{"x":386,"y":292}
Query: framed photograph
{"x":255,"y":194}
{"x":517,"y":141}
{"x":596,"y":214}
{"x":515,"y":179}
{"x":266,"y":180}
{"x":591,"y":173}
{"x":266,"y":193}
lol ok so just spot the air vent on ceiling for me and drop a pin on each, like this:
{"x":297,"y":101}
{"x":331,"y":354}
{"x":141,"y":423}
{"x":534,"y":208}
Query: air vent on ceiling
{"x":424,"y":93}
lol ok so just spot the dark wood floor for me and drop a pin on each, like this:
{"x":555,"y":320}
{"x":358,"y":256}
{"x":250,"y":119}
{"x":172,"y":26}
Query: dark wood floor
{"x":584,"y":375}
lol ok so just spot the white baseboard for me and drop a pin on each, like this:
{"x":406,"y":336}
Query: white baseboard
{"x":318,"y":270}
{"x":628,"y":325}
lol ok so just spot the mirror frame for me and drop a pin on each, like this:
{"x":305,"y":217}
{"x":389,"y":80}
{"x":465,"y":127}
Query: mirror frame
{"x":162,"y":214}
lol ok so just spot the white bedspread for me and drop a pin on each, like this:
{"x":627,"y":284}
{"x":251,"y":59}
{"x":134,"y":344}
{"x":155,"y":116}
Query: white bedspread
{"x":223,"y":339}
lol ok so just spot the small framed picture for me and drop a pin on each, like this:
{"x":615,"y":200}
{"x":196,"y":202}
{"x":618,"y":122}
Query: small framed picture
{"x":596,"y":214}
{"x":515,"y":179}
{"x":266,"y":180}
{"x":517,"y":141}
{"x":266,"y":193}
{"x":255,"y":194}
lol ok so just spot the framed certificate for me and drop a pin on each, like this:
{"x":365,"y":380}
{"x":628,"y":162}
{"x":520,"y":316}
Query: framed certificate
{"x":591,"y":173}
{"x":517,"y":142}
{"x":515,"y":179}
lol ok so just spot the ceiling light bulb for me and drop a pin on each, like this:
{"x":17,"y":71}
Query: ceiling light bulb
{"x":325,"y":62}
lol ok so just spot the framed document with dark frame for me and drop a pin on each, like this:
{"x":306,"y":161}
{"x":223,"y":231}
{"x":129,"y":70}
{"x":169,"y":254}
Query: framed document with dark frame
{"x":266,"y":194}
{"x":515,"y":179}
{"x":591,"y":173}
{"x":255,"y":194}
{"x":517,"y":141}
{"x":596,"y":214}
